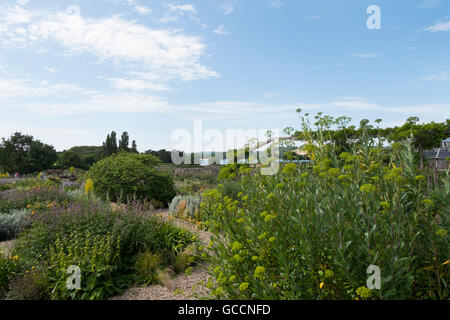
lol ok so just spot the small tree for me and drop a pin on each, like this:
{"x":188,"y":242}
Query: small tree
{"x":124,"y":142}
{"x":134,"y":147}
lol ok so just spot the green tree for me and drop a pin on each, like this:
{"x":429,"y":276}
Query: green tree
{"x":425,"y":136}
{"x":23,"y":154}
{"x":113,"y":143}
{"x":134,"y":147}
{"x":110,"y":145}
{"x":69,"y":159}
{"x":124,"y":142}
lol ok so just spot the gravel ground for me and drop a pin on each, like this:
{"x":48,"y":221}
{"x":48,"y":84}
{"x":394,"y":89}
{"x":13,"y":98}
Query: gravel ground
{"x":183,"y":287}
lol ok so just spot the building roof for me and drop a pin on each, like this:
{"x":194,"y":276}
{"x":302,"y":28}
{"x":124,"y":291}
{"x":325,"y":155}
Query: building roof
{"x":441,"y":153}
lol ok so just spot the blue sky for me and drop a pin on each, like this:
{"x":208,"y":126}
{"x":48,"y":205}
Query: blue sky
{"x":72,"y":71}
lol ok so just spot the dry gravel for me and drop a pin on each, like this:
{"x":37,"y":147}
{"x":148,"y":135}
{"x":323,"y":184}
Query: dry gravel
{"x":183,"y":287}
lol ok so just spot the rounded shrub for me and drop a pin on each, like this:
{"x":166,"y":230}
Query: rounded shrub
{"x":124,"y":176}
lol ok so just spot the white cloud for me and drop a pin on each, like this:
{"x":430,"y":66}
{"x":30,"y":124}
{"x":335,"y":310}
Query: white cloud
{"x":175,"y":11}
{"x":314,"y":17}
{"x":430,"y":4}
{"x":441,"y":26}
{"x":143,"y":10}
{"x":366,"y":55}
{"x":32,"y":88}
{"x":188,"y":8}
{"x":227,"y":7}
{"x":136,"y":85}
{"x":439,"y":76}
{"x":162,"y":54}
{"x":51,"y":70}
{"x":271,"y":94}
{"x":221,"y":30}
{"x":276,"y":3}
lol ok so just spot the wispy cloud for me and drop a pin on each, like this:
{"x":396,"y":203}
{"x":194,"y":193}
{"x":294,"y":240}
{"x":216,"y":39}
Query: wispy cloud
{"x":227,"y":7}
{"x":366,"y":55}
{"x":175,"y":11}
{"x":435,"y":77}
{"x":221,"y":30}
{"x":430,"y":4}
{"x":51,"y":70}
{"x":441,"y":26}
{"x":314,"y":17}
{"x":162,"y":55}
{"x":143,"y":10}
{"x":276,"y":3}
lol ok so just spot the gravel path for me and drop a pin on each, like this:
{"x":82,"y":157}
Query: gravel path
{"x":182,"y":287}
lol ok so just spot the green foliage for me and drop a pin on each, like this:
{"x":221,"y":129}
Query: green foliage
{"x":124,"y":142}
{"x":311,"y":231}
{"x":69,"y":159}
{"x":228,"y":172}
{"x":9,"y":268}
{"x":230,"y":188}
{"x":110,"y":145}
{"x":127,"y":175}
{"x":185,"y":259}
{"x":163,"y":155}
{"x":31,"y":285}
{"x":23,"y":154}
{"x":147,"y":266}
{"x":88,"y":156}
{"x":104,"y":243}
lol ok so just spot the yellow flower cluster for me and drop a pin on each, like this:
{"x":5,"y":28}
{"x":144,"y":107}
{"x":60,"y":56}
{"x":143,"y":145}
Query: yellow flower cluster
{"x":363,"y":292}
{"x":88,"y":186}
{"x":259,"y":272}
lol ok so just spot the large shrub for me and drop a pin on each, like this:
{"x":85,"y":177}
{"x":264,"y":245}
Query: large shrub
{"x":312,"y":231}
{"x":126,"y":175}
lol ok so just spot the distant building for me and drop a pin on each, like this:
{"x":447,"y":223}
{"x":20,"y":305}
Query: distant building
{"x":437,"y":157}
{"x":446,"y":143}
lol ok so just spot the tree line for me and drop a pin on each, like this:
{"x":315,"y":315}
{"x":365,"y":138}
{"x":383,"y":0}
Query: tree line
{"x":23,"y":154}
